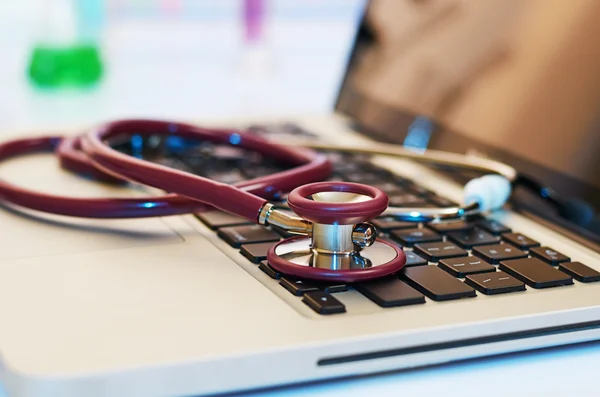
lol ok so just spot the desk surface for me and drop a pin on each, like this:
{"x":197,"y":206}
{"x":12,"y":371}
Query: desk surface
{"x":140,"y":83}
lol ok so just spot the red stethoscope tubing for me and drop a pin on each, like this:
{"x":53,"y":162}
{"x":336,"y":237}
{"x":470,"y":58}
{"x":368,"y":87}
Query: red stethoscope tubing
{"x":91,"y":155}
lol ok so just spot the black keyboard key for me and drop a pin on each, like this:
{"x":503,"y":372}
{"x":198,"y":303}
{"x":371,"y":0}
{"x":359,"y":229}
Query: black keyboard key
{"x":549,"y":255}
{"x":461,"y":267}
{"x":580,"y":272}
{"x":257,"y":129}
{"x":176,"y":163}
{"x":238,"y":235}
{"x":294,"y":129}
{"x":256,"y":252}
{"x":520,"y":241}
{"x":333,"y":288}
{"x":336,"y":178}
{"x":342,"y":165}
{"x":535,"y":273}
{"x":323,"y":303}
{"x":282,"y":232}
{"x":402,"y":181}
{"x":226,"y":176}
{"x":407,"y":200}
{"x":390,"y":292}
{"x":386,"y":223}
{"x":257,"y":171}
{"x":364,"y":177}
{"x":388,"y":188}
{"x":417,"y":190}
{"x":265,"y":267}
{"x":413,"y":259}
{"x":441,"y":201}
{"x":435,"y":283}
{"x":433,"y":252}
{"x":281,"y":203}
{"x":471,"y":238}
{"x":493,"y":227}
{"x":498,"y":252}
{"x":449,"y":226}
{"x":279,"y":230}
{"x":408,"y":237}
{"x":216,"y":219}
{"x":495,"y":283}
{"x":297,"y":286}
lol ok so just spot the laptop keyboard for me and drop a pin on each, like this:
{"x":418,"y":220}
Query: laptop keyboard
{"x":446,"y":261}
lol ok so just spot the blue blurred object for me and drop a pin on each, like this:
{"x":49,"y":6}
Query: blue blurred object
{"x":419,"y":134}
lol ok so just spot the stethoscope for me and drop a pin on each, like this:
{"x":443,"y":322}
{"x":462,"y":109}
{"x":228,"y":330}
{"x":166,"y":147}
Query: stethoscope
{"x":332,"y":237}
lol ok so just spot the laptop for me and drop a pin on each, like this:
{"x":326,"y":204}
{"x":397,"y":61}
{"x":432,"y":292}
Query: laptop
{"x":188,"y":305}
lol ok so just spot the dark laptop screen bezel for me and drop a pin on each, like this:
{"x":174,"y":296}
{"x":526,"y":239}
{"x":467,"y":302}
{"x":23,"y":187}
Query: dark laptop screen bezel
{"x":386,"y":124}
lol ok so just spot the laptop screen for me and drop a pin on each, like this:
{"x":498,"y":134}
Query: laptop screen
{"x":514,"y":81}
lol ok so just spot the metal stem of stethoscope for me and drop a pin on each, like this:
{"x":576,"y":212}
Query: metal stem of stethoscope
{"x":335,"y":241}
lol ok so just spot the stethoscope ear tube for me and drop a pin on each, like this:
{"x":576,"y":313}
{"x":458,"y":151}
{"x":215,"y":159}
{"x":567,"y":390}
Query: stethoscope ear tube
{"x":103,"y":208}
{"x":432,"y":157}
{"x":84,"y":207}
{"x":72,"y":159}
{"x":219,"y":195}
{"x":486,"y":193}
{"x":244,"y":199}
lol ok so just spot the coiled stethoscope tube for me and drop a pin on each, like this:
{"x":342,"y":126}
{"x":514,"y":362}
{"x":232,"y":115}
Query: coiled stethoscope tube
{"x":335,"y":240}
{"x":103,"y":163}
{"x":90,"y":155}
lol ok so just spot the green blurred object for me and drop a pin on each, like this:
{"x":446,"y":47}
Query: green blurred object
{"x":67,"y":50}
{"x":79,"y":65}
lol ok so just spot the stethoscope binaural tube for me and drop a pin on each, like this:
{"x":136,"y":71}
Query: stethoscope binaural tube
{"x":482,"y":194}
{"x":429,"y":156}
{"x":309,"y":167}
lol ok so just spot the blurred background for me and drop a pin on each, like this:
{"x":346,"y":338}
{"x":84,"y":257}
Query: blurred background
{"x":67,"y":62}
{"x":519,"y":78}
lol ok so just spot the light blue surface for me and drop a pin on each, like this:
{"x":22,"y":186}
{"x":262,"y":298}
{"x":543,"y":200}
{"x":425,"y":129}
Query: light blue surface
{"x":567,"y":371}
{"x":563,"y":372}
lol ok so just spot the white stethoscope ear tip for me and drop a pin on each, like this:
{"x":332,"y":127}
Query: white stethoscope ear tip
{"x":490,"y":191}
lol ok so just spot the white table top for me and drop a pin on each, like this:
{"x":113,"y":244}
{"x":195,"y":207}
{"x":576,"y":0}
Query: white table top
{"x":196,"y":77}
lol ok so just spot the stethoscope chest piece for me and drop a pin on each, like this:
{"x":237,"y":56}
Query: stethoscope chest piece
{"x":342,"y":247}
{"x":296,"y":257}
